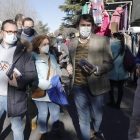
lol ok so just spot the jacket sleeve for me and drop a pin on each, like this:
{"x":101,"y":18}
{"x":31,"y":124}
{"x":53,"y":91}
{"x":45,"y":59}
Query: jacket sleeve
{"x":65,"y":49}
{"x":29,"y":72}
{"x":44,"y":84}
{"x":70,"y":51}
{"x":57,"y":66}
{"x":108,"y":63}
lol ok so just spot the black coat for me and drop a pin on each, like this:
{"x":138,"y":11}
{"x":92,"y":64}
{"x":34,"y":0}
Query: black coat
{"x":17,"y":97}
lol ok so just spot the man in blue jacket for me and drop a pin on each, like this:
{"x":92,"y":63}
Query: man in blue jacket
{"x":13,"y":97}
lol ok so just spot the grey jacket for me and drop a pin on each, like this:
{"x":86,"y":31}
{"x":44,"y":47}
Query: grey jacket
{"x":99,"y":54}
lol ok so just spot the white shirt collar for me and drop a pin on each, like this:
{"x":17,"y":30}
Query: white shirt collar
{"x":85,"y":40}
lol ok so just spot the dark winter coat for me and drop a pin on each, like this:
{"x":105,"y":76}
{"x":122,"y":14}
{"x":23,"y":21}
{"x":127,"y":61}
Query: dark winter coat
{"x":17,"y":97}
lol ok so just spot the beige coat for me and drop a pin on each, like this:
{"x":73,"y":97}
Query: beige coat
{"x":100,"y":55}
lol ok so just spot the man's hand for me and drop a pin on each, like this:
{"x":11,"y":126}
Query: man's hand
{"x":88,"y":70}
{"x":62,"y":53}
{"x":16,"y":75}
{"x":69,"y":69}
{"x":13,"y":82}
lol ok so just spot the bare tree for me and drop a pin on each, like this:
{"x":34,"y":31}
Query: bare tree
{"x":9,"y":9}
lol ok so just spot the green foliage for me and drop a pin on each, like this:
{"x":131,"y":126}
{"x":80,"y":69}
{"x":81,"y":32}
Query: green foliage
{"x":73,"y":8}
{"x":42,"y":29}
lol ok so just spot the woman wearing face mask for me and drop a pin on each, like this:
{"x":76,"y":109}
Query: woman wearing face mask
{"x":41,"y":55}
{"x":118,"y":74}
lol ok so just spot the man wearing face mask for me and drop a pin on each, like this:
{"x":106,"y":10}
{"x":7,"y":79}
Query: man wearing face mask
{"x":89,"y":86}
{"x":13,"y":97}
{"x":29,"y":33}
{"x":18,"y":19}
{"x":28,"y":29}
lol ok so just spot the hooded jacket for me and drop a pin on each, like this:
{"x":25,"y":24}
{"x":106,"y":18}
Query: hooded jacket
{"x":17,"y":97}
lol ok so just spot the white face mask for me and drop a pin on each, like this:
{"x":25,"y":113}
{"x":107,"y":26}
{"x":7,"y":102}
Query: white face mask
{"x":10,"y":39}
{"x":45,"y":49}
{"x":85,"y":31}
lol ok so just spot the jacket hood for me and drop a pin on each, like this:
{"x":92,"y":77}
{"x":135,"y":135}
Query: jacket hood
{"x":118,"y":11}
{"x":26,"y":44}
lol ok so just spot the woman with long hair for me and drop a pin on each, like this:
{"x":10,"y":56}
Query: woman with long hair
{"x":45,"y":63}
{"x":118,"y":74}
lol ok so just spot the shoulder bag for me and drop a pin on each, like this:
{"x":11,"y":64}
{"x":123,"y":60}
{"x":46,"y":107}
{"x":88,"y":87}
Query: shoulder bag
{"x":129,"y":60}
{"x":38,"y":92}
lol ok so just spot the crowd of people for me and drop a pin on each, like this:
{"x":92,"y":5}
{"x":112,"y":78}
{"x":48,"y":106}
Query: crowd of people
{"x":30,"y":61}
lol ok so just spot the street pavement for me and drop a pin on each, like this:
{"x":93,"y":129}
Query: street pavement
{"x":114,"y":126}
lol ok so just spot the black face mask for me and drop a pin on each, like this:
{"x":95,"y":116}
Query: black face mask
{"x":29,"y":31}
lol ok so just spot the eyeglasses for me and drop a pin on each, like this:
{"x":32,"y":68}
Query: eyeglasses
{"x":10,"y":32}
{"x":26,"y":27}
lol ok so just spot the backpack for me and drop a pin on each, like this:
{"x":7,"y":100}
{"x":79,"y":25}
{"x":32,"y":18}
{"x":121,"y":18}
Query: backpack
{"x":129,"y":60}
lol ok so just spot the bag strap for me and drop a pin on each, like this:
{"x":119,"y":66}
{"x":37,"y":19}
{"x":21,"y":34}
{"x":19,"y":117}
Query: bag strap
{"x":49,"y":64}
{"x":18,"y":57}
{"x":117,"y":56}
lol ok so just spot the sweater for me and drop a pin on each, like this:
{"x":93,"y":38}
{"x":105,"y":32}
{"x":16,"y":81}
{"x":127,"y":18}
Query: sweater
{"x":5,"y":63}
{"x":80,"y":75}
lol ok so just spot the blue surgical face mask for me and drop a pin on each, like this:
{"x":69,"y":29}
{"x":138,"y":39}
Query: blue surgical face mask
{"x":45,"y":49}
{"x":29,"y":31}
{"x":10,"y":39}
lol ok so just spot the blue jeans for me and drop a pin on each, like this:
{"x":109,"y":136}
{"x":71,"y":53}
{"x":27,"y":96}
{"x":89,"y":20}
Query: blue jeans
{"x":82,"y":98}
{"x":43,"y":114}
{"x":16,"y":123}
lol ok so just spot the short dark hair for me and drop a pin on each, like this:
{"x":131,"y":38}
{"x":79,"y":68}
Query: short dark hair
{"x":120,"y":37}
{"x":63,"y":40}
{"x":59,"y":34}
{"x":18,"y":17}
{"x":85,"y":17}
{"x":8,"y":21}
{"x":27,"y":19}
